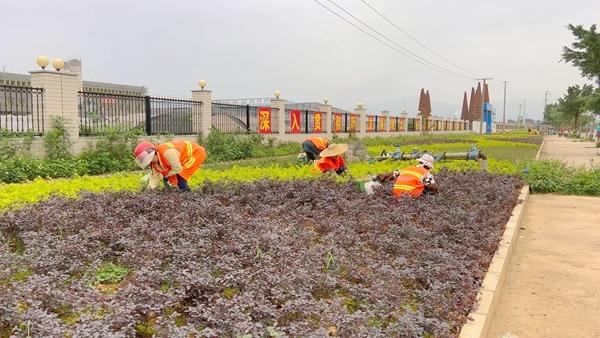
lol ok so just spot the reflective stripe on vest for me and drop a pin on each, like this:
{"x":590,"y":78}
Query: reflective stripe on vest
{"x":412,"y":173}
{"x":403,"y":187}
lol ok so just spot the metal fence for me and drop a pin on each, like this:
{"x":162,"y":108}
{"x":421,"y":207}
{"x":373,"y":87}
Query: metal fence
{"x":411,"y":124}
{"x":21,"y":110}
{"x":233,"y":118}
{"x":99,"y":112}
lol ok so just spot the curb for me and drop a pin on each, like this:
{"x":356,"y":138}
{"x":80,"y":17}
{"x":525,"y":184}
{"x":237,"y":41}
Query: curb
{"x":489,"y":292}
{"x":539,"y":153}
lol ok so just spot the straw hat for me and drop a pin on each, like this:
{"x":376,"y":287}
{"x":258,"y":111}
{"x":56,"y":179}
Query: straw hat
{"x":426,"y":160}
{"x":334,"y":149}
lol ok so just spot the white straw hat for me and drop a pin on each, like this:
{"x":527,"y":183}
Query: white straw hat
{"x":334,"y":149}
{"x":426,"y":160}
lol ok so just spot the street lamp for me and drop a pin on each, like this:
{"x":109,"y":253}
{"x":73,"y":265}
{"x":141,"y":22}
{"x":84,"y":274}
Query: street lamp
{"x":277,"y":93}
{"x":202,"y":84}
{"x":42,"y":61}
{"x":58,"y":64}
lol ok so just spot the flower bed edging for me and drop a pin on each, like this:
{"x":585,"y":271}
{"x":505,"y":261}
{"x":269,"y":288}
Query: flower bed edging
{"x":539,"y":153}
{"x":489,"y":293}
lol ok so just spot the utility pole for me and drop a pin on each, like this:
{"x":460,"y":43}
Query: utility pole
{"x":504,"y":106}
{"x":524,"y":112}
{"x":546,"y":106}
{"x":519,"y":119}
{"x":483,"y":103}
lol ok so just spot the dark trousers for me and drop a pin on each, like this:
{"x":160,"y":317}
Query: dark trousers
{"x":181,"y":183}
{"x":312,"y":152}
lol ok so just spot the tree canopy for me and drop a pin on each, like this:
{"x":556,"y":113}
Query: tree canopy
{"x":584,"y":53}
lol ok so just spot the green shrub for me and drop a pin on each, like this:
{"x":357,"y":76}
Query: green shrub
{"x":12,"y":145}
{"x":584,"y":182}
{"x":546,"y":176}
{"x":229,"y":147}
{"x":56,"y":140}
{"x":112,"y":152}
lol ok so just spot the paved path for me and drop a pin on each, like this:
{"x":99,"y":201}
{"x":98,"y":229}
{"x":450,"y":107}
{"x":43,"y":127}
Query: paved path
{"x":552,"y":287}
{"x":570,"y":151}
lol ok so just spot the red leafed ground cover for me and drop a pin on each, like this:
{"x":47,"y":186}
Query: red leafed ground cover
{"x":298,"y":258}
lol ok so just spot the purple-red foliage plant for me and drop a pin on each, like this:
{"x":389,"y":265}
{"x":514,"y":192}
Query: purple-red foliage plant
{"x":298,"y":258}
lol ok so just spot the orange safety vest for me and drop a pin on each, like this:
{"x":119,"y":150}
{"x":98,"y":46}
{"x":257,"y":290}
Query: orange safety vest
{"x":319,"y":142}
{"x":330,"y":163}
{"x":410,"y":181}
{"x":191,"y":157}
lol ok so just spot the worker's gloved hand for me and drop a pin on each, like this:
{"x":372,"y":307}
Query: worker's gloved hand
{"x":144,"y":182}
{"x":166,"y":183}
{"x":341,"y":170}
{"x":387,"y":177}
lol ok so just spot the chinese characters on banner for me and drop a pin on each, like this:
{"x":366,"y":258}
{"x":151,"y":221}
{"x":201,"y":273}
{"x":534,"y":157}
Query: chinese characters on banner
{"x":393,"y":121}
{"x":402,"y":124}
{"x":353,"y":118}
{"x":295,"y":121}
{"x":370,"y":123}
{"x":337,"y":126}
{"x":264,"y":120}
{"x":381,"y":123}
{"x":318,"y":122}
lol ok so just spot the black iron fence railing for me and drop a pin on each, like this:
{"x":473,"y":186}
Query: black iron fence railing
{"x":99,"y":112}
{"x":233,"y":118}
{"x":411,"y":124}
{"x":21,"y":110}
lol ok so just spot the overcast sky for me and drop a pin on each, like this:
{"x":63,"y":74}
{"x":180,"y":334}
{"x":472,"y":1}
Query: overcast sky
{"x":249,"y":48}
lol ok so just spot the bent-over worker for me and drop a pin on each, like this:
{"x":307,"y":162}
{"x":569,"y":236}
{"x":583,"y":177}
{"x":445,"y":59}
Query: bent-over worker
{"x":174,"y":162}
{"x":313,"y":146}
{"x":332,"y":159}
{"x":413,"y":181}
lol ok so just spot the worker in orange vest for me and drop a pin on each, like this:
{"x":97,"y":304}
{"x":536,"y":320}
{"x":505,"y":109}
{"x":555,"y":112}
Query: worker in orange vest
{"x":175,"y":162}
{"x":332,"y":159}
{"x":413,"y":181}
{"x":313,"y":146}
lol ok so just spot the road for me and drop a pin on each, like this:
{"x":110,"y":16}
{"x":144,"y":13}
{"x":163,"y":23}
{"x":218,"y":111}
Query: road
{"x":552,"y":288}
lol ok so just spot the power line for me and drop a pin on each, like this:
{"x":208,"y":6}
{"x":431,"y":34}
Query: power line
{"x":415,"y":39}
{"x":392,"y":41}
{"x":432,"y":66}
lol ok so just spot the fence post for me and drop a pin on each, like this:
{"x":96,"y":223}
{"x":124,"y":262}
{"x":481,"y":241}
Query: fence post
{"x":204,"y":116}
{"x":279,"y":104}
{"x":404,"y":117}
{"x":327,"y":109}
{"x":148,"y":114}
{"x":361,"y":111}
{"x":60,"y":98}
{"x":306,"y":121}
{"x":247,"y":119}
{"x":385,"y":120}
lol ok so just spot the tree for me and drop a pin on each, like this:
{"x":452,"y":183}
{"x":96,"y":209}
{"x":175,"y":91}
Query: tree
{"x":574,"y":103}
{"x":584,"y":52}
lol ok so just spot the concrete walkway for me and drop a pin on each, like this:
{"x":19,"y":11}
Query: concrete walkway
{"x":552,"y":287}
{"x":570,"y":151}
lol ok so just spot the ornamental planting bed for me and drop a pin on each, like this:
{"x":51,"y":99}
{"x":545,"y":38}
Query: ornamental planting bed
{"x":297,"y":258}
